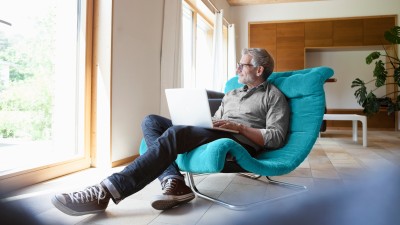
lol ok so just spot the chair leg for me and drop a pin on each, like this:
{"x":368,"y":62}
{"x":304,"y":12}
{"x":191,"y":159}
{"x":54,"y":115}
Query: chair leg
{"x":255,"y":177}
{"x":286,"y":184}
{"x":243,"y":206}
{"x":250,"y":175}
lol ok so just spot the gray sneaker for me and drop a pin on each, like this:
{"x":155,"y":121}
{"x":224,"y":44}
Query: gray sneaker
{"x":93,"y":199}
{"x":175,"y":192}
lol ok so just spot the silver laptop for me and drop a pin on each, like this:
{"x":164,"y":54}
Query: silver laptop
{"x":190,"y":107}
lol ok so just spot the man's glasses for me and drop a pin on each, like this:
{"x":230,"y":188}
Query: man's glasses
{"x":239,"y":66}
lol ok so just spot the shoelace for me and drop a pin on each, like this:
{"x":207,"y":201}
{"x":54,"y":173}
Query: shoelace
{"x":169,"y":185}
{"x":89,"y":194}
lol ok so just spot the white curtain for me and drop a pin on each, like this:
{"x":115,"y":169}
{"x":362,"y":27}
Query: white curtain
{"x":171,"y":50}
{"x":231,"y":51}
{"x":218,"y":76}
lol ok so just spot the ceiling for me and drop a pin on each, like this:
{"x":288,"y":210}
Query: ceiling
{"x":255,"y":2}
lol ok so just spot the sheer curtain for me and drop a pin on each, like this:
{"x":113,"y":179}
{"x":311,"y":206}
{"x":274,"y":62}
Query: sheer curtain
{"x":231,"y":51}
{"x":171,"y":50}
{"x":218,"y":75}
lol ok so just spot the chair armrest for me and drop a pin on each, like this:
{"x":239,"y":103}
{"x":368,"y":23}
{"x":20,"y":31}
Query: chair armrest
{"x":214,"y":94}
{"x":214,"y":99}
{"x":214,"y":104}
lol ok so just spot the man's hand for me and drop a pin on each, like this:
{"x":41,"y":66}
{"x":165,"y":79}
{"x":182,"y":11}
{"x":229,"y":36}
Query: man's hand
{"x":251,"y":133}
{"x":228,"y":125}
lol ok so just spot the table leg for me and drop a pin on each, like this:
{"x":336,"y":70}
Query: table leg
{"x":364,"y":127}
{"x":355,"y":136}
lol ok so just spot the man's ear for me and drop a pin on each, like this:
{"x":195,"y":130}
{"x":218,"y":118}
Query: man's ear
{"x":260,"y":70}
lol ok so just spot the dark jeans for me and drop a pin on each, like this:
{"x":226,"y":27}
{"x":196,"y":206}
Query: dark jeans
{"x":164,"y":143}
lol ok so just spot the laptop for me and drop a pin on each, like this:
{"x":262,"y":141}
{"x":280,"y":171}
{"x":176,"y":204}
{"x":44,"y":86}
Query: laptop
{"x":190,"y":107}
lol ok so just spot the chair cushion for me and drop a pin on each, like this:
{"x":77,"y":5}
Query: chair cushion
{"x":305,"y":93}
{"x":232,"y":84}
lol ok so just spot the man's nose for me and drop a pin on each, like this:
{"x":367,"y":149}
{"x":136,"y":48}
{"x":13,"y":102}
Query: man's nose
{"x":238,"y":70}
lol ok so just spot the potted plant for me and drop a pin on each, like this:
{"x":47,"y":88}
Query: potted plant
{"x":367,"y":99}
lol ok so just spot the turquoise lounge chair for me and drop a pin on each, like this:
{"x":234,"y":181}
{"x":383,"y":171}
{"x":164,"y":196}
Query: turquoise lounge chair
{"x":305,"y":92}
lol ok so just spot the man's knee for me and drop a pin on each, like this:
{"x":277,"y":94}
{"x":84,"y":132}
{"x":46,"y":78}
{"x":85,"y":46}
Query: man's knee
{"x":149,"y":119}
{"x":177,"y":129}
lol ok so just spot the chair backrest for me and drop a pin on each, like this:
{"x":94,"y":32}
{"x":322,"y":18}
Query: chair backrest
{"x":306,"y":96}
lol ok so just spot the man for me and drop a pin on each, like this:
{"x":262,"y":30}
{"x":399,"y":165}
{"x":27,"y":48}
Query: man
{"x":259,"y":111}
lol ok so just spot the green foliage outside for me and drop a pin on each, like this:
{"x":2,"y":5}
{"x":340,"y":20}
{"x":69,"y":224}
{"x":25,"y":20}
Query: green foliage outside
{"x":26,"y":102}
{"x":367,"y":99}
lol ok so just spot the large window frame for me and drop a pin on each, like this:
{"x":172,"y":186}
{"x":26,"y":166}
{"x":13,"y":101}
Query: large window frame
{"x":22,"y":178}
{"x":197,"y":72}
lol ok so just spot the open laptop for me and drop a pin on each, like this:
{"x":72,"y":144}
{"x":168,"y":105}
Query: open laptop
{"x":190,"y":107}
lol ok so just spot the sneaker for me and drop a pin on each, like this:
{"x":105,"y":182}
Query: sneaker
{"x":175,"y":192}
{"x":93,"y":199}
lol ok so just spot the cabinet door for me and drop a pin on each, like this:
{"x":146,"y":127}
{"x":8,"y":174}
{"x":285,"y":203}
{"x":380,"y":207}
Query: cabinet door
{"x":318,"y":33}
{"x":290,"y":46}
{"x":374,"y":29}
{"x":348,"y":32}
{"x":263,"y":36}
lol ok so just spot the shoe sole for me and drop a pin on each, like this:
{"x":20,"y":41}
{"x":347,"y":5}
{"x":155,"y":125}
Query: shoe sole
{"x":60,"y":206}
{"x":162,"y":202}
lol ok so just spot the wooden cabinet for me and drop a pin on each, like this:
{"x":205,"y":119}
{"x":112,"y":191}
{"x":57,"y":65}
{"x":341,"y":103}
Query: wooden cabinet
{"x":318,"y":33}
{"x":286,"y":41}
{"x":348,"y":32}
{"x":289,"y":46}
{"x":263,"y":36}
{"x":374,"y":28}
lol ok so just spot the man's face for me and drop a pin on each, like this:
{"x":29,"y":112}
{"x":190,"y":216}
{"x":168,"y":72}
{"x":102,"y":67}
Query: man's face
{"x":247,"y":72}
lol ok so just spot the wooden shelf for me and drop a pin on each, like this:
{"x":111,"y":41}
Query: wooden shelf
{"x":288,"y":41}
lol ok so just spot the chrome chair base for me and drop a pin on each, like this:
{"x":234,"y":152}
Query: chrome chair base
{"x":245,"y":206}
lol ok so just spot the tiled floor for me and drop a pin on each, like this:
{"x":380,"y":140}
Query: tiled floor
{"x":334,"y":160}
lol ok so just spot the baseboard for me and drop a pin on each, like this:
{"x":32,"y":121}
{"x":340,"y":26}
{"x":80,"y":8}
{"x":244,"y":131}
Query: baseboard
{"x":124,"y":161}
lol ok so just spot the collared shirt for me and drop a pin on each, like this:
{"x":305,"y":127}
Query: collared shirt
{"x":263,"y":107}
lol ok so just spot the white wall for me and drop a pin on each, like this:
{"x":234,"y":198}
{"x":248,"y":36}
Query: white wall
{"x":102,"y":61}
{"x":136,"y":52}
{"x":348,"y":65}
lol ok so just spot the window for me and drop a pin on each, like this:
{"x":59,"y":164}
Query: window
{"x":188,"y":57}
{"x":42,"y":82}
{"x":203,"y":49}
{"x":197,"y":46}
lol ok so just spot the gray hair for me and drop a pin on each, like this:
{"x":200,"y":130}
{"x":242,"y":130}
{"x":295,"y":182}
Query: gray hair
{"x":261,"y":58}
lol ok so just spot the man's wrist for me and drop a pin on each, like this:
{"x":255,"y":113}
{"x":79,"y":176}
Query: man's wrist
{"x":241,"y":128}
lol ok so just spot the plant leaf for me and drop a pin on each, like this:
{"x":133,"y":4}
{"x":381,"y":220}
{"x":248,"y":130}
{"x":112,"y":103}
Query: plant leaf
{"x":393,"y":35}
{"x":390,"y":108}
{"x":360,"y":93}
{"x":397,"y":105}
{"x":380,"y":73}
{"x":371,"y":57}
{"x":357,"y":82}
{"x":396,"y":75}
{"x":371,"y":104}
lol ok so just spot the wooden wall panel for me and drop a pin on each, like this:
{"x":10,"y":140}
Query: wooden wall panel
{"x":380,"y":121}
{"x":318,"y":33}
{"x":374,"y":29}
{"x":290,"y":46}
{"x":263,"y":36}
{"x":348,"y":32}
